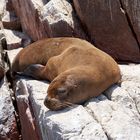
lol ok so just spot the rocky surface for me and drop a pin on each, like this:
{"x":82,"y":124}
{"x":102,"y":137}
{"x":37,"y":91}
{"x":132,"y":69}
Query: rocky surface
{"x":8,"y":126}
{"x":2,"y":6}
{"x":62,"y":19}
{"x":1,"y":62}
{"x":109,"y":28}
{"x":1,"y":68}
{"x":55,"y":18}
{"x":114,"y":27}
{"x":114,"y":115}
{"x":15,"y":39}
{"x":132,"y":9}
{"x":11,"y":21}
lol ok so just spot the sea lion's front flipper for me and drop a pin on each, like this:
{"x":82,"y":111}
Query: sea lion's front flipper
{"x":35,"y":71}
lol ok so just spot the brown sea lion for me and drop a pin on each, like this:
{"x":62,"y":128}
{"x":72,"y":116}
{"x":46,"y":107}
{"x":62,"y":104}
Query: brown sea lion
{"x":77,"y":70}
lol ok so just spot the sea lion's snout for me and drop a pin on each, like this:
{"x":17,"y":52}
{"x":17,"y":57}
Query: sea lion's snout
{"x":53,"y":103}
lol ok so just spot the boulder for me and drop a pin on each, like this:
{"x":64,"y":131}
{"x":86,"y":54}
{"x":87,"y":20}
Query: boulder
{"x":10,"y":21}
{"x":8,"y":126}
{"x":15,"y":39}
{"x":109,"y":28}
{"x":132,"y":9}
{"x":62,"y":19}
{"x":50,"y":19}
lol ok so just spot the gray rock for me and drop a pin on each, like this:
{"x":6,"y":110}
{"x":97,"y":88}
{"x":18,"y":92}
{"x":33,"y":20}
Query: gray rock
{"x":8,"y":126}
{"x":62,"y":19}
{"x":15,"y":39}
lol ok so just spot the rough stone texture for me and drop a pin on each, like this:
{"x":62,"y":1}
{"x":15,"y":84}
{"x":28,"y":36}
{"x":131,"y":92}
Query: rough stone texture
{"x":1,"y":62}
{"x":28,"y":128}
{"x":10,"y":21}
{"x":2,"y":6}
{"x":1,"y":69}
{"x":8,"y":127}
{"x":113,"y":115}
{"x":109,"y":28}
{"x":35,"y":17}
{"x":62,"y":19}
{"x":73,"y":123}
{"x":131,"y":83}
{"x":16,"y":39}
{"x":132,"y":9}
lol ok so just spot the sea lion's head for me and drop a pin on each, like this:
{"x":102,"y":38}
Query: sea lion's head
{"x":62,"y":92}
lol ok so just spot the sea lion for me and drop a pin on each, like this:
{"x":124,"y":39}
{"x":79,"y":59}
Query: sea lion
{"x":76,"y":69}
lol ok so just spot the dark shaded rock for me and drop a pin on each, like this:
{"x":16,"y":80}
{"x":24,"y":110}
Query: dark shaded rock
{"x":108,"y":28}
{"x":132,"y":10}
{"x":10,"y":21}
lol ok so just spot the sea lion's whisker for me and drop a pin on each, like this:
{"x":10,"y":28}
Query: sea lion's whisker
{"x":68,"y":103}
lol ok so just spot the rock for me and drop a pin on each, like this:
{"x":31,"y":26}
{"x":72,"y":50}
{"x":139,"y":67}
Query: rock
{"x":29,"y":16}
{"x":130,"y":72}
{"x":115,"y":117}
{"x":2,"y":7}
{"x":109,"y":28}
{"x":62,"y":19}
{"x":1,"y":70}
{"x":16,"y":39}
{"x":6,"y":5}
{"x":131,"y":82}
{"x":1,"y":61}
{"x":9,"y":5}
{"x":72,"y":123}
{"x":28,"y":128}
{"x":132,"y":10}
{"x":10,"y":21}
{"x":8,"y":126}
{"x":40,"y":20}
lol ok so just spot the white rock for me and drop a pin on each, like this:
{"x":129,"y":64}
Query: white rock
{"x":130,"y":72}
{"x":72,"y":123}
{"x":118,"y":121}
{"x":15,"y":39}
